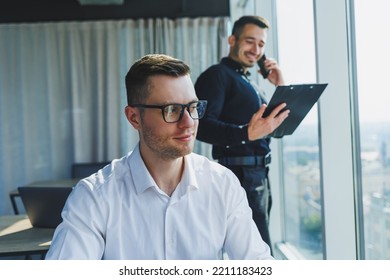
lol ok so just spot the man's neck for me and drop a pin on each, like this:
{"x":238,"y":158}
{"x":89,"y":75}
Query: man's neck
{"x":166,"y":173}
{"x":245,"y":69}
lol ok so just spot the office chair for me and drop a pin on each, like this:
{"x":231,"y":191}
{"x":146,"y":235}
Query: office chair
{"x":82,"y":170}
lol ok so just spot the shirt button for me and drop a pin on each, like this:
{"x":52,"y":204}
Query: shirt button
{"x":243,"y":142}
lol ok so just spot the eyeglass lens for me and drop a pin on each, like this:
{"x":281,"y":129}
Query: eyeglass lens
{"x":174,"y":112}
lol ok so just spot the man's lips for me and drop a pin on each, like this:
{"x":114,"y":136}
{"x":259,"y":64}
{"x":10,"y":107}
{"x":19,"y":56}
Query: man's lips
{"x":184,"y":137}
{"x":252,"y":57}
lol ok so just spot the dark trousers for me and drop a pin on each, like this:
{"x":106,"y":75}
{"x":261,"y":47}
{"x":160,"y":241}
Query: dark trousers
{"x":254,"y":179}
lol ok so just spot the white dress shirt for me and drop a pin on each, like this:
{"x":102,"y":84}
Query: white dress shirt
{"x":120,"y":213}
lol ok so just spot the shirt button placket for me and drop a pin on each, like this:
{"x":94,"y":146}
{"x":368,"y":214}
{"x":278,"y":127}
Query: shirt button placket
{"x":170,"y":246}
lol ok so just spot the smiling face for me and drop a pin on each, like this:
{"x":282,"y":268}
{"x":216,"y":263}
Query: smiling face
{"x":158,"y":139}
{"x":249,"y":46}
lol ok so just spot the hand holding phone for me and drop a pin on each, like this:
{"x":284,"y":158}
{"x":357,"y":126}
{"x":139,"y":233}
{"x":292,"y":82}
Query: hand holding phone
{"x":263,"y":69}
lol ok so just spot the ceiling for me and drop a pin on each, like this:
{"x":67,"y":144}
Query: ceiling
{"x":62,"y":10}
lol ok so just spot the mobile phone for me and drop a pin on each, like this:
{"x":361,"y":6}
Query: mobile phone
{"x":263,"y":69}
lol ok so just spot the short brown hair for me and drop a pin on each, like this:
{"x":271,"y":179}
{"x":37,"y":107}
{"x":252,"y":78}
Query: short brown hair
{"x":244,"y":20}
{"x":146,"y":67}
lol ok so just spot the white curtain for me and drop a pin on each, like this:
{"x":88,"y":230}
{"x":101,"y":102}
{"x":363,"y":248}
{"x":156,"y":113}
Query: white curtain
{"x":62,"y":90}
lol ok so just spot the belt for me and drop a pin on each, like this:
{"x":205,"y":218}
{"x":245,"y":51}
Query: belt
{"x":249,"y":160}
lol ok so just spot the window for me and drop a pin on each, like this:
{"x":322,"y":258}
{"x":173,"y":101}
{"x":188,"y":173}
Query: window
{"x":345,"y":174}
{"x":373,"y":58}
{"x":301,"y":174}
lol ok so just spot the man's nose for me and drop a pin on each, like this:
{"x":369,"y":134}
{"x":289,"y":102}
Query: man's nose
{"x":186,"y":119}
{"x":256,"y":49}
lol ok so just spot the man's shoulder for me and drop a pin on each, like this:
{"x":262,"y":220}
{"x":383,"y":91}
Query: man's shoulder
{"x":216,"y":68}
{"x":217,"y":73}
{"x":205,"y":165}
{"x":111,"y":173}
{"x":218,"y":179}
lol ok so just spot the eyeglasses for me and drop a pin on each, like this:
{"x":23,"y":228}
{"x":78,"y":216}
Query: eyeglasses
{"x":174,"y":112}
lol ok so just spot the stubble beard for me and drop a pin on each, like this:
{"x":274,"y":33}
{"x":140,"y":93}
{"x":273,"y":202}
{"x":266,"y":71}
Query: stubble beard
{"x":237,"y":54}
{"x":159,"y":145}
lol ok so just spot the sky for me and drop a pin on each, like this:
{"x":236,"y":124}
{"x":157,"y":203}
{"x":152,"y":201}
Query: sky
{"x":373,"y":59}
{"x":372,"y":51}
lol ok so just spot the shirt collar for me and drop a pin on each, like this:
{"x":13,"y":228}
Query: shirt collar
{"x":140,"y":174}
{"x":189,"y":173}
{"x":232,"y":64}
{"x":143,"y":180}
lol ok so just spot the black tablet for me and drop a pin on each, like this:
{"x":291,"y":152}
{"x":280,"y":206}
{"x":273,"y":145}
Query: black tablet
{"x":299,"y":99}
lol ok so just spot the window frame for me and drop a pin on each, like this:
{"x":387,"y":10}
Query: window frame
{"x":338,"y":134}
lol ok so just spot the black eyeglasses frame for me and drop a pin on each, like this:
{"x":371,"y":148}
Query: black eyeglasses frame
{"x":202,"y":103}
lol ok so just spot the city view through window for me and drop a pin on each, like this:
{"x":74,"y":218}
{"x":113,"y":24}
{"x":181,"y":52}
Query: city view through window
{"x":301,"y":150}
{"x":301,"y":165}
{"x":371,"y":23}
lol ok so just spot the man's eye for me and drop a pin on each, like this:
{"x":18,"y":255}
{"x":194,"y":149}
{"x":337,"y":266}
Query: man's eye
{"x":172,"y":109}
{"x":193,"y":107}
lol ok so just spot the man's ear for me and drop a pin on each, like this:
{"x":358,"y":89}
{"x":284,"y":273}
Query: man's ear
{"x":133,"y":116}
{"x":231,"y":40}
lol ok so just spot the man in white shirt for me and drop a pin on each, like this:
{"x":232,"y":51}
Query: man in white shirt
{"x":161,"y":201}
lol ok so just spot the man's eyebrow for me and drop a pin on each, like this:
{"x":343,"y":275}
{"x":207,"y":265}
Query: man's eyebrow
{"x":170,"y":103}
